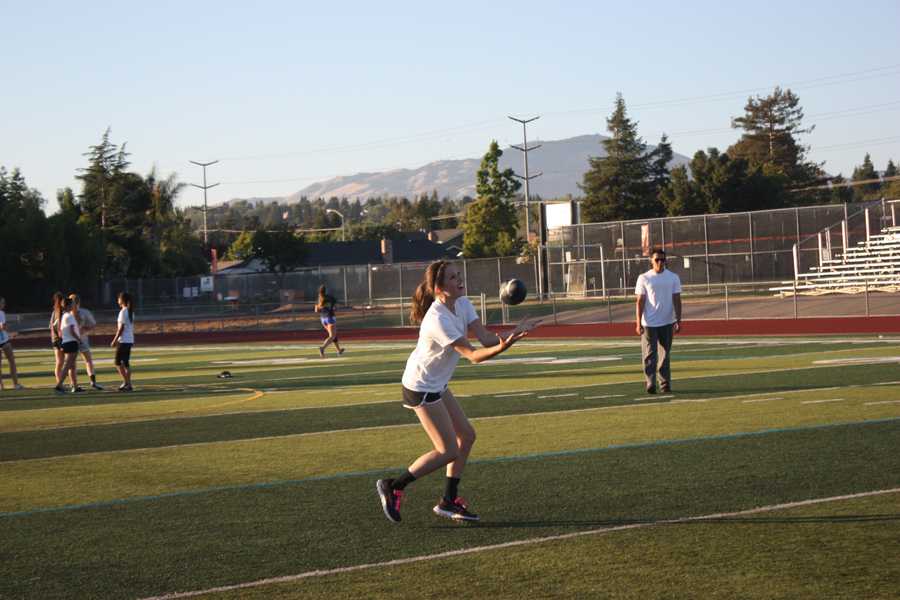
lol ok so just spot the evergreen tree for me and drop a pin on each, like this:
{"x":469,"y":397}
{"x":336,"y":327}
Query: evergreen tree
{"x":772,"y":127}
{"x":24,"y":239}
{"x":490,"y":221}
{"x":625,"y":184}
{"x":866,"y":172}
{"x":680,"y":197}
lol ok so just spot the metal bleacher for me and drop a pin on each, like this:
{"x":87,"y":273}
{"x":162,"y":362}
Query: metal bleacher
{"x":873,"y":265}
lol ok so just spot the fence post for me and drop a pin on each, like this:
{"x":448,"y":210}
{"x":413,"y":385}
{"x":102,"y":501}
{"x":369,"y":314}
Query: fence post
{"x":866,"y":217}
{"x":369,"y":277}
{"x":602,"y":271}
{"x":346,"y":296}
{"x":844,"y":234}
{"x":609,"y":309}
{"x":400,"y":272}
{"x":706,"y":253}
{"x":866,"y":289}
{"x":499,"y":276}
{"x":796,"y":313}
{"x":553,"y":298}
{"x":726,"y":301}
{"x":484,"y":308}
{"x":750,"y":223}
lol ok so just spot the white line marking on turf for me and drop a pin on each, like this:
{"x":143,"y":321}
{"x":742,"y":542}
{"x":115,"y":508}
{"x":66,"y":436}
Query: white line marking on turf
{"x":760,"y":400}
{"x":556,"y":396}
{"x":604,"y":396}
{"x":822,"y":401}
{"x":883,"y":402}
{"x":516,"y":543}
{"x":511,"y":395}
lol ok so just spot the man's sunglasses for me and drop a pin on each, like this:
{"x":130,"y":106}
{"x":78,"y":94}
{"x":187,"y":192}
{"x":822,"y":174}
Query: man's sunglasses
{"x":659,"y":260}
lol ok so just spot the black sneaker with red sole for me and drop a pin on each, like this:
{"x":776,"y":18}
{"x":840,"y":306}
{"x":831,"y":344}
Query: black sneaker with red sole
{"x":458,"y":510}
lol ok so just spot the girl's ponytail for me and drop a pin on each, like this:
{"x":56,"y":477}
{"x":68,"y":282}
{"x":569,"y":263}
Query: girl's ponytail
{"x":423,"y":297}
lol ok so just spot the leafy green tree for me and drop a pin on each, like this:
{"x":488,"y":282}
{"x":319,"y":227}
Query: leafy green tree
{"x":241,"y":248}
{"x":24,"y":240}
{"x":625,"y":184}
{"x":490,"y":221}
{"x":681,"y":197}
{"x":866,"y":172}
{"x":840,"y":193}
{"x":281,"y":251}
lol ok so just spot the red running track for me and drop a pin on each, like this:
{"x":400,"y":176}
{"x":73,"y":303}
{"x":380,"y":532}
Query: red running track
{"x":711,"y":328}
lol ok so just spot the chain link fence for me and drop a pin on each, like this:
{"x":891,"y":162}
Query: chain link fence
{"x":600,"y":259}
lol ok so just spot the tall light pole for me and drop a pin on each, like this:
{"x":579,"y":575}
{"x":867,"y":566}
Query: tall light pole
{"x":525,"y":149}
{"x":331,"y":210}
{"x":204,"y":187}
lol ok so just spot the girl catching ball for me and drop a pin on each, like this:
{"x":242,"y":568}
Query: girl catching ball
{"x":446,"y":315}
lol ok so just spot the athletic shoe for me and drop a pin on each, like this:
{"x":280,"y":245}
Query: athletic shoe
{"x":390,"y":499}
{"x":321,"y":352}
{"x":666,"y":389}
{"x":59,"y":389}
{"x":77,"y":389}
{"x":18,"y":386}
{"x":341,"y":351}
{"x":97,"y":386}
{"x":126,"y":388}
{"x":651,"y":389}
{"x":458,"y":510}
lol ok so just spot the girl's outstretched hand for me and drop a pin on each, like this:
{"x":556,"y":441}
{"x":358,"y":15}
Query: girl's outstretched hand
{"x":526,"y":325}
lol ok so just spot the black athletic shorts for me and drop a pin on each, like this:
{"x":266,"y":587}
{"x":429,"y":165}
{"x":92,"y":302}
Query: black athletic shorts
{"x":413,"y":399}
{"x":123,"y":354}
{"x":56,"y":344}
{"x":70,"y":347}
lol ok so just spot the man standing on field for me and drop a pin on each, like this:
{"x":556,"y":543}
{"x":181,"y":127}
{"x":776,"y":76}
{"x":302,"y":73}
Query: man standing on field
{"x":658,"y":294}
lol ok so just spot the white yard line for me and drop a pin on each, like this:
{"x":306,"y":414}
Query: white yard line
{"x":760,"y":400}
{"x":882,"y":402}
{"x":556,"y":396}
{"x":822,"y":401}
{"x":511,"y":395}
{"x":513,"y":544}
{"x":604,"y":396}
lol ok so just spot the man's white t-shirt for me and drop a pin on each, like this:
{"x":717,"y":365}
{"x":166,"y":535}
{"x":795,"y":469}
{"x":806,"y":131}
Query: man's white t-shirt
{"x":87,"y":321}
{"x":127,"y":336}
{"x":67,"y":325}
{"x":658,"y":288}
{"x":4,"y":336}
{"x":432,"y":363}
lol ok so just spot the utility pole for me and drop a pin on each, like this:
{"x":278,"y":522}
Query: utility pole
{"x":525,"y":149}
{"x":204,"y":187}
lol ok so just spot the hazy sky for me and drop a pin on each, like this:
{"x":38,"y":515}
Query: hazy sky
{"x":285,"y":94}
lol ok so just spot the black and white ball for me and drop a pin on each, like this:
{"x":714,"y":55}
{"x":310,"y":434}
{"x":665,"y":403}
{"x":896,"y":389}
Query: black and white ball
{"x":513,"y":292}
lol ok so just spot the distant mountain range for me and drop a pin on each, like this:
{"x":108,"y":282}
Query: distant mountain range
{"x":562,"y":162}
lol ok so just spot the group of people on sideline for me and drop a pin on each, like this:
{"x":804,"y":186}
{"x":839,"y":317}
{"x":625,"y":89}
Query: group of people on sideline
{"x":70,"y":327}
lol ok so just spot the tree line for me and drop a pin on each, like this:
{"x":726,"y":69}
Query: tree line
{"x":124,"y":224}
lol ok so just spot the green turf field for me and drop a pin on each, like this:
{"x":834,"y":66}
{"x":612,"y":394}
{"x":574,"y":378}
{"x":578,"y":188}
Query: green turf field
{"x":773,"y":471}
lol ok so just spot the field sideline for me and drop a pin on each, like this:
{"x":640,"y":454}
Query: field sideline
{"x":770,"y":472}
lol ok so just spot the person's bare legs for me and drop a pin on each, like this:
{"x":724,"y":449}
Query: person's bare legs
{"x":465,"y":434}
{"x":69,"y":368}
{"x":439,"y":426}
{"x":60,"y":361}
{"x":11,"y":357}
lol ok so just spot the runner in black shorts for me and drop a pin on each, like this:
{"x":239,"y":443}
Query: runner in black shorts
{"x":325,"y":308}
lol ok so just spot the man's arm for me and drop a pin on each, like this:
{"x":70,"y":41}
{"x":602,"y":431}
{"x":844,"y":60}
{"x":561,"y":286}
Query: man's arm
{"x":676,"y":302}
{"x":639,"y":313}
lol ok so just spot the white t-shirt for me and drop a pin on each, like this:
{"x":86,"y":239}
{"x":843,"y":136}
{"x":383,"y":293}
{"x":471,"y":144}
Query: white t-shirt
{"x":658,"y":288}
{"x":87,"y":320}
{"x":67,"y":325}
{"x":4,"y":335}
{"x":432,"y":363}
{"x":127,"y":336}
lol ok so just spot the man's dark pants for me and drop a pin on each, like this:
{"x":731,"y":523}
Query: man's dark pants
{"x":656,"y":343}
